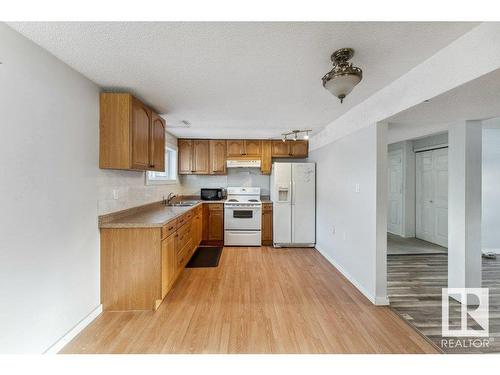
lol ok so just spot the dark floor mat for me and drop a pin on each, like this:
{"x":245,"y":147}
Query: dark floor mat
{"x":205,"y":256}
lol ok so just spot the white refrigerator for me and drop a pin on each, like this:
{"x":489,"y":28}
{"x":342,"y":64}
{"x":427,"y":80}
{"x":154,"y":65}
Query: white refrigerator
{"x":293,"y":192}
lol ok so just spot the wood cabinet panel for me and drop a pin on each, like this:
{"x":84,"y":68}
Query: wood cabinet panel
{"x":168,"y":252}
{"x":157,"y":144}
{"x":185,"y":156}
{"x":266,"y":159}
{"x":253,"y":148}
{"x":213,"y":223}
{"x":130,"y":134}
{"x":130,"y":268}
{"x":200,"y":164}
{"x":299,"y":149}
{"x":235,"y":147}
{"x":141,"y":120}
{"x":280,"y":149}
{"x":296,"y":149}
{"x":267,"y":224}
{"x":218,"y":157}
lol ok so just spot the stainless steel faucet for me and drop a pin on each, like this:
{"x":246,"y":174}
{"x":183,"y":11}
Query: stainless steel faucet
{"x":170,"y":196}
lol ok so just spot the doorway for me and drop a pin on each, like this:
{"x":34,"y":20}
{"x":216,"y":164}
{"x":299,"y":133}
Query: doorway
{"x":431,"y":196}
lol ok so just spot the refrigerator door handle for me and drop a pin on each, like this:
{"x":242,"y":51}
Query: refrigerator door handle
{"x":293,"y":192}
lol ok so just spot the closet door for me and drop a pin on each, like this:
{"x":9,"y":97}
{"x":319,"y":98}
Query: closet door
{"x":432,"y":196}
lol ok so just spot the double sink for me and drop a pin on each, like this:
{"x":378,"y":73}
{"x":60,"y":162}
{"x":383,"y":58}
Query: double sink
{"x":183,"y":204}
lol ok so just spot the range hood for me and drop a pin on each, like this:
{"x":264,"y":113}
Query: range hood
{"x":243,"y":163}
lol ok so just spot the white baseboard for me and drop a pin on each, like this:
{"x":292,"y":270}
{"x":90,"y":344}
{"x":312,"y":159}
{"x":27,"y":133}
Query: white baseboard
{"x":71,"y":334}
{"x":496,"y":251}
{"x":383,"y":301}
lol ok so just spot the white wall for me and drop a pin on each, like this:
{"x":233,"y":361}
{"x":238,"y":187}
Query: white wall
{"x":352,"y":248}
{"x":131,"y":188}
{"x":491,"y":190}
{"x":49,"y":240}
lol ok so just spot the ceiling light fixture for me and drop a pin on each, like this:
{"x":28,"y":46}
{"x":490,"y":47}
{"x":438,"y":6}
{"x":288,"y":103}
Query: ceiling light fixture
{"x":344,"y":76}
{"x":295,"y":134}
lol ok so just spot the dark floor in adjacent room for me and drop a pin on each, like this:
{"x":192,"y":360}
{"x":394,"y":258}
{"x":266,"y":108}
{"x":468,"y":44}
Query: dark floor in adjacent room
{"x":414,"y":287}
{"x":397,"y":245}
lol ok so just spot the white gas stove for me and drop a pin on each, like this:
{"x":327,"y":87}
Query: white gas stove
{"x":242,"y":217}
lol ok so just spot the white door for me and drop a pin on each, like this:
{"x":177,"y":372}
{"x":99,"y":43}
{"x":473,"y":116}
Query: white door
{"x":303,"y":203}
{"x":281,"y":181}
{"x":432,"y":196}
{"x":395,"y":187}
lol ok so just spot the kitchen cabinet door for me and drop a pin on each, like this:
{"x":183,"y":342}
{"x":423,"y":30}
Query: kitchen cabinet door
{"x":200,"y":161}
{"x":235,"y":148}
{"x":157,"y":144}
{"x":218,"y":156}
{"x":267,"y":224}
{"x":185,"y":156}
{"x":266,"y":159}
{"x":299,"y":149}
{"x":253,"y":148}
{"x":280,"y":149}
{"x":167,"y":264}
{"x":215,"y":222}
{"x":141,"y":120}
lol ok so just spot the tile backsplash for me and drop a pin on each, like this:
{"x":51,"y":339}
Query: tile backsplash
{"x":131,"y":190}
{"x":191,"y":184}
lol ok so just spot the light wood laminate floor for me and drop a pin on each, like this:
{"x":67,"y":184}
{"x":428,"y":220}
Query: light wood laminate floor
{"x":258,"y":300}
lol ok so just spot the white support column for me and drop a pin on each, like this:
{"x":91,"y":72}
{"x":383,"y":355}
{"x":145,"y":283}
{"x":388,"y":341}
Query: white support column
{"x":464,"y":205}
{"x":381,"y":217}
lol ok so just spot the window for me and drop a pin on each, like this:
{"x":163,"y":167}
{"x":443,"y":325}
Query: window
{"x":169,"y":176}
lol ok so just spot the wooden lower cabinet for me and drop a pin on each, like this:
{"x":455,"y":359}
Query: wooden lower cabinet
{"x":168,"y":267}
{"x":267,"y":224}
{"x":213,"y":224}
{"x":139,"y":266}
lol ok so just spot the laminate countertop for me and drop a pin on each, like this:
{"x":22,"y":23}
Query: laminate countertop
{"x":151,"y":215}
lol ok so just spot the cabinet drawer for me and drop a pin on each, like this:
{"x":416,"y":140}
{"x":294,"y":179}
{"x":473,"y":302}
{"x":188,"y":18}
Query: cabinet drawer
{"x":184,"y":254}
{"x":168,"y":229}
{"x":181,"y":221}
{"x":183,"y":235}
{"x":189,"y":215}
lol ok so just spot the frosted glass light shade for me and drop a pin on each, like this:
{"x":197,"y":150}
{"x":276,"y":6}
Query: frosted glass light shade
{"x":342,"y":85}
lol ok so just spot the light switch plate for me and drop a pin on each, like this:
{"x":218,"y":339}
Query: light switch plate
{"x":357,"y":188}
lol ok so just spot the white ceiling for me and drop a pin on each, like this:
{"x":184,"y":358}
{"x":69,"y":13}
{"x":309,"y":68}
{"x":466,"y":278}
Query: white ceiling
{"x":475,"y":100}
{"x":240,"y":79}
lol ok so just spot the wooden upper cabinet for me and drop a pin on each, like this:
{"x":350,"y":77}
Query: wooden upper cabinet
{"x":253,"y":148}
{"x":235,"y":147}
{"x":185,"y":156}
{"x":218,"y":156}
{"x":200,"y":163}
{"x":238,"y":148}
{"x":127,"y":135}
{"x":280,"y":149}
{"x":299,"y":149}
{"x":294,"y":149}
{"x":266,"y":158}
{"x":157,"y":146}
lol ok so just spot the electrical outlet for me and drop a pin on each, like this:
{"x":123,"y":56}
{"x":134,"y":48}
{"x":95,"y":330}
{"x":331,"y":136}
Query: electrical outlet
{"x":115,"y":194}
{"x":345,"y":236}
{"x":357,"y":188}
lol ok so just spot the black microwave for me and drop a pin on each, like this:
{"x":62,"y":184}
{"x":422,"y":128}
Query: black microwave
{"x":214,"y":194}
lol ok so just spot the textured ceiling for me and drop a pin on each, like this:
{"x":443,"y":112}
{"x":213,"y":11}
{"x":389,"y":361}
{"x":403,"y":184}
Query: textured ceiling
{"x":475,"y":100}
{"x":240,"y":79}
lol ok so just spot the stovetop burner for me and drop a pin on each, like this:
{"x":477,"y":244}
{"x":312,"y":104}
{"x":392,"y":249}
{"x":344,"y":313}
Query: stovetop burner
{"x":232,"y":200}
{"x":253,"y":200}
